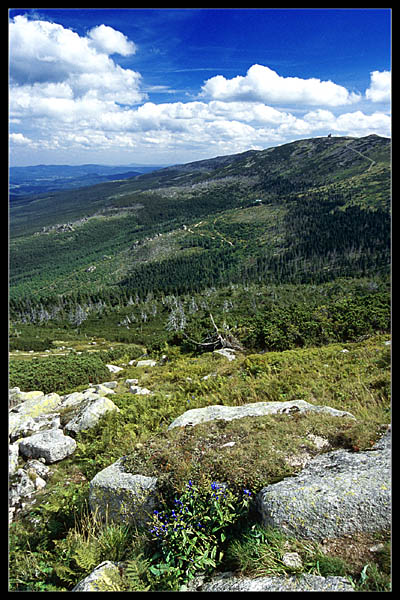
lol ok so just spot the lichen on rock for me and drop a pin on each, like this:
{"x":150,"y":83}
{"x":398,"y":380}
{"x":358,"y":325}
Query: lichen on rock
{"x":122,"y":497}
{"x":336,"y":494}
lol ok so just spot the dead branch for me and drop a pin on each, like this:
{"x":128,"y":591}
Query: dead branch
{"x":217,"y":340}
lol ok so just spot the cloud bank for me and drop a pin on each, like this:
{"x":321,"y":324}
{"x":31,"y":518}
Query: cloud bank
{"x":69,"y":97}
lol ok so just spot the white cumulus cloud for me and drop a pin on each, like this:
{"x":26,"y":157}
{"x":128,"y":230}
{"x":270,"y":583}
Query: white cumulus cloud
{"x":109,"y":40}
{"x":380,"y":87}
{"x":19,"y":138}
{"x":265,"y":85}
{"x":47,"y":54}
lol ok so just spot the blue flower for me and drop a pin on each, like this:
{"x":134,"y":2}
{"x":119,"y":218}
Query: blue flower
{"x":246,"y":492}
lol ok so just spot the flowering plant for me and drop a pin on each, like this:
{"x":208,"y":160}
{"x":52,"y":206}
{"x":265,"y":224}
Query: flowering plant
{"x":192,"y":536}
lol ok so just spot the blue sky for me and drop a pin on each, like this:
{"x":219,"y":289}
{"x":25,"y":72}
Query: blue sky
{"x":162,"y":86}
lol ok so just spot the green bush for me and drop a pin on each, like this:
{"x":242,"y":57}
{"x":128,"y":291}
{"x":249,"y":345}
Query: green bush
{"x":57,"y":374}
{"x":297,"y":324}
{"x":127,"y":351}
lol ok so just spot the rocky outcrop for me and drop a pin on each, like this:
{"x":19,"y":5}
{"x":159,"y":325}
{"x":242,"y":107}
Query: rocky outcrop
{"x":114,"y":368}
{"x":141,"y":391}
{"x":23,"y":414}
{"x":25,"y":482}
{"x":336,"y":494}
{"x":146,"y":363}
{"x":37,"y":422}
{"x":105,"y":388}
{"x":15,"y":396}
{"x":228,"y":582}
{"x":13,"y":451}
{"x":255,"y":409}
{"x":37,"y":403}
{"x":121,"y":496}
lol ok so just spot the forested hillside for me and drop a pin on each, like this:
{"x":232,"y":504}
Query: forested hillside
{"x":301,"y":214}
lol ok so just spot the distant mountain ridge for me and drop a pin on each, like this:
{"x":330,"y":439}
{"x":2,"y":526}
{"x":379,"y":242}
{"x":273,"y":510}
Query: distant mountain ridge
{"x":37,"y":179}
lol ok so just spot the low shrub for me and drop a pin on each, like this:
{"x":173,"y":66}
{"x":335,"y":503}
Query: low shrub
{"x":57,"y":374}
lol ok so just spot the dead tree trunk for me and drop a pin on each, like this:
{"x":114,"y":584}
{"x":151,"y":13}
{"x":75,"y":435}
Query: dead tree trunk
{"x":217,"y":340}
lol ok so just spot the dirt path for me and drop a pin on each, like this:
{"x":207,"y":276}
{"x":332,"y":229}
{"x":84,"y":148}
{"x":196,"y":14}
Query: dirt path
{"x":209,"y":234}
{"x":372,"y":162}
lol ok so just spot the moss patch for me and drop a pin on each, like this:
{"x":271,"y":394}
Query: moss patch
{"x":246,"y":453}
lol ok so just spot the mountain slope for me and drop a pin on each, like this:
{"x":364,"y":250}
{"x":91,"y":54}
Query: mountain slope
{"x":310,"y":210}
{"x":300,"y":164}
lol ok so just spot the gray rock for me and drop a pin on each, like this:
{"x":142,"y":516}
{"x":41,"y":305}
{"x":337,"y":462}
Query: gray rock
{"x":255,"y":409}
{"x":40,"y":483}
{"x":73,"y":399}
{"x":121,"y":496}
{"x":292,"y":560}
{"x":36,"y":403}
{"x":146,"y":363}
{"x":114,"y":368}
{"x":40,"y":469}
{"x":110,"y":384}
{"x":336,"y":494}
{"x":21,"y":425}
{"x":16,"y":396}
{"x":90,"y":412}
{"x":104,"y":578}
{"x":102,"y":389}
{"x":21,"y":490}
{"x":51,"y":445}
{"x":13,"y":451}
{"x":227,"y":582}
{"x":136,"y":389}
{"x":24,"y":487}
{"x":77,"y":398}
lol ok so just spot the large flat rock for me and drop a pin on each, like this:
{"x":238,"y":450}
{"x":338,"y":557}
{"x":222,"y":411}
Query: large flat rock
{"x":336,"y":494}
{"x":227,"y":582}
{"x":255,"y":409}
{"x":51,"y":445}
